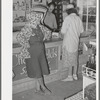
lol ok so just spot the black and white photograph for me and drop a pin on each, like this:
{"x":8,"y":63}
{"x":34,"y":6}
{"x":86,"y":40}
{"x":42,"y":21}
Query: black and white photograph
{"x":54,"y":50}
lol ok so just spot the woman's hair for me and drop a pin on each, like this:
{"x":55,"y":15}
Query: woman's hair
{"x":51,"y":3}
{"x":73,"y":4}
{"x":72,"y":10}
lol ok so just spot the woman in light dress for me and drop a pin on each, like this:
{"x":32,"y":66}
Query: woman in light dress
{"x":71,"y":29}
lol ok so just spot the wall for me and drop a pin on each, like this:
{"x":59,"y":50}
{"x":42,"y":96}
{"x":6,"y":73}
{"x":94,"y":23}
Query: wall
{"x":34,"y":2}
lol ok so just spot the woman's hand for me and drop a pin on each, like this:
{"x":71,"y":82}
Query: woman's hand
{"x":37,"y":30}
{"x":61,"y":35}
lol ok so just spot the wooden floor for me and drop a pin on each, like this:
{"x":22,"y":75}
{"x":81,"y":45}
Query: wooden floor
{"x":60,"y":90}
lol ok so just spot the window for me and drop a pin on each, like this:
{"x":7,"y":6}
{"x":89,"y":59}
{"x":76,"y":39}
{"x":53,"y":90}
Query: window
{"x":88,"y":13}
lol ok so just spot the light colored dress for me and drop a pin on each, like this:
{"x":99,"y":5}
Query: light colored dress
{"x":71,"y":29}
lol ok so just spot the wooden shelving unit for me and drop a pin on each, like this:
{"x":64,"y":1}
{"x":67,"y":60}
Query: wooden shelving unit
{"x":58,"y":13}
{"x":89,"y":74}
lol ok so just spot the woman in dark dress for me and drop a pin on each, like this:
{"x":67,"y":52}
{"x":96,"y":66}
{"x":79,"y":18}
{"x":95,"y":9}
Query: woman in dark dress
{"x":33,"y":50}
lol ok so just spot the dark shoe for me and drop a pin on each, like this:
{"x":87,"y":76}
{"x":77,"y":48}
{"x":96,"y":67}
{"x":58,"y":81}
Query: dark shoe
{"x":39,"y":92}
{"x":46,"y":91}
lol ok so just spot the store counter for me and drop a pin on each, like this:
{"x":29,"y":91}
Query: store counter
{"x":21,"y":81}
{"x":53,"y":52}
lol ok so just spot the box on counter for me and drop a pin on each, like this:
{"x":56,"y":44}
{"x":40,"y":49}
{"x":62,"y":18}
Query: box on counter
{"x":55,"y":35}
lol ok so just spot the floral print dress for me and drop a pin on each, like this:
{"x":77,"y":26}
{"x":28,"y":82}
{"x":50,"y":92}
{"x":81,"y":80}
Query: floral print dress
{"x":33,"y":50}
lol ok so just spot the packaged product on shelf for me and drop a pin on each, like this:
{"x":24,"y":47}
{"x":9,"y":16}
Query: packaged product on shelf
{"x":88,"y":62}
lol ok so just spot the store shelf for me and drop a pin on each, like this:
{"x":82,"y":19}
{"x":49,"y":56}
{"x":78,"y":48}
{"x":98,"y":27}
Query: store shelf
{"x":58,"y":13}
{"x":89,"y":77}
{"x":88,"y":72}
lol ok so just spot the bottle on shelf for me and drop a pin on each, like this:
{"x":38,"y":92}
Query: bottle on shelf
{"x":17,"y":5}
{"x":89,"y":61}
{"x":95,"y":62}
{"x":93,"y":65}
{"x":92,"y":59}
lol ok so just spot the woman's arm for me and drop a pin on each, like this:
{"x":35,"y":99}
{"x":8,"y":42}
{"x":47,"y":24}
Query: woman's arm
{"x":55,"y":22}
{"x":61,"y":35}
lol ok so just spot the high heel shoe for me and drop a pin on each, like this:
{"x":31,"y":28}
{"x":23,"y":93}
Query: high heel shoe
{"x":39,"y":91}
{"x":46,"y":91}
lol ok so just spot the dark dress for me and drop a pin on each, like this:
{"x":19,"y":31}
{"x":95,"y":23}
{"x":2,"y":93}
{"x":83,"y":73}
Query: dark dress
{"x":37,"y":65}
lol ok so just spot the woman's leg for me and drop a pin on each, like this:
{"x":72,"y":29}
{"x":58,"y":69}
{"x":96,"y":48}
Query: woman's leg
{"x":44,"y":71}
{"x":75,"y":66}
{"x":70,"y":71}
{"x":37,"y":85}
{"x":75,"y":73}
{"x":43,"y":87}
{"x":41,"y":82}
{"x":70,"y":77}
{"x":67,"y":63}
{"x":75,"y":70}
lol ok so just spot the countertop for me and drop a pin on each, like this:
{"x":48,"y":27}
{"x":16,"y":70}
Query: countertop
{"x":16,"y":45}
